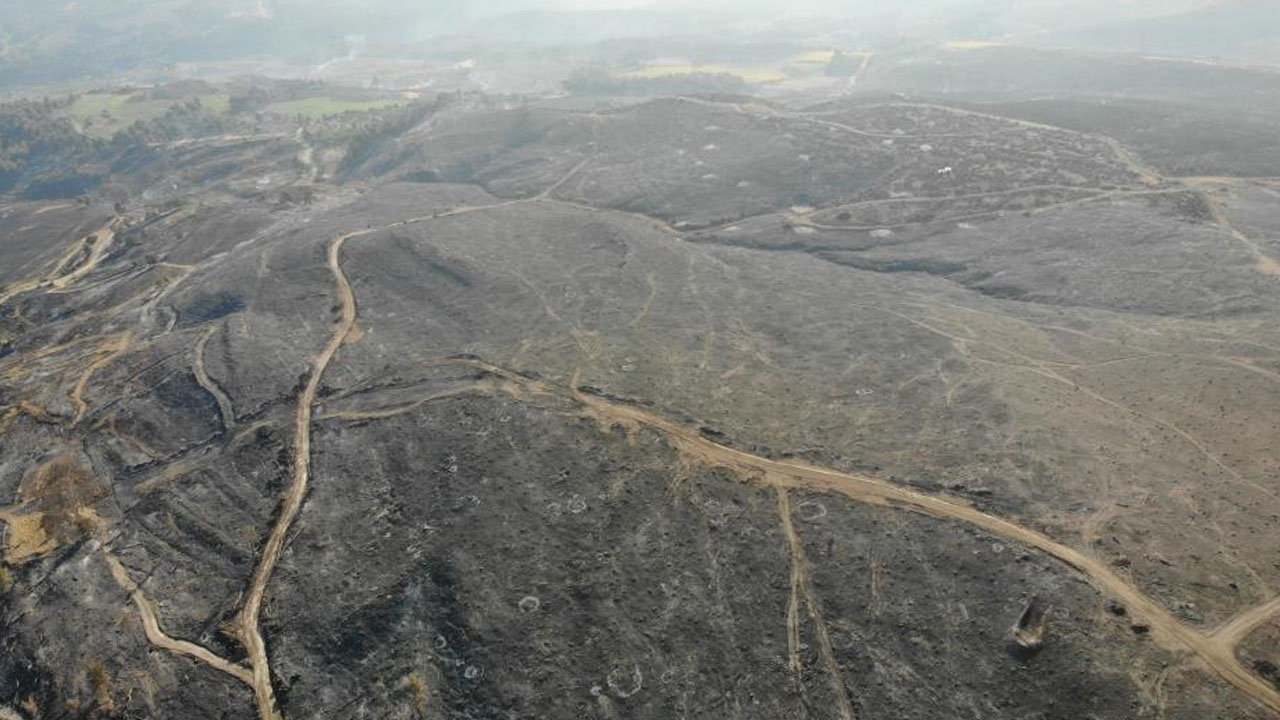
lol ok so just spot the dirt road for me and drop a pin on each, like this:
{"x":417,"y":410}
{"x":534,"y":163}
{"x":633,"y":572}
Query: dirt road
{"x":1263,"y":263}
{"x":1233,"y":632}
{"x":1215,"y":652}
{"x":250,"y":614}
{"x":157,"y":636}
{"x":801,"y":584}
{"x":225,"y":409}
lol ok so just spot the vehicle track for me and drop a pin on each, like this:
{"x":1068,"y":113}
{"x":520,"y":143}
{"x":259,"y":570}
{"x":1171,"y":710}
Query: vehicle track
{"x":1262,"y":262}
{"x":801,"y":583}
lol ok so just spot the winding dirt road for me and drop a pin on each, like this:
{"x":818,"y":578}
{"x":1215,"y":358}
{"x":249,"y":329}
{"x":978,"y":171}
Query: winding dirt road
{"x":225,"y":409}
{"x":157,"y":637}
{"x":248,"y":621}
{"x":1216,"y":651}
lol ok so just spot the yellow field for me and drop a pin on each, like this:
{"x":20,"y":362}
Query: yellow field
{"x":817,"y":57}
{"x":751,"y":74}
{"x":970,"y":45}
{"x":805,"y":63}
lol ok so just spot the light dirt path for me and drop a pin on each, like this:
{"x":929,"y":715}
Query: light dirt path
{"x":225,"y":408}
{"x":99,"y":245}
{"x":1233,"y":632}
{"x":107,"y":353}
{"x":1262,"y":262}
{"x":862,"y":70}
{"x":248,"y":620}
{"x":801,"y":583}
{"x":1041,"y":368}
{"x":385,"y":413}
{"x":216,"y":139}
{"x":151,"y":625}
{"x":803,"y":219}
{"x":568,"y":176}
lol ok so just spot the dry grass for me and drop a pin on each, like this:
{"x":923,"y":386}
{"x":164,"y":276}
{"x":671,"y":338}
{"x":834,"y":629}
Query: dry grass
{"x":817,"y":57}
{"x":60,"y":495}
{"x":416,"y":684}
{"x":969,"y":45}
{"x":100,"y":681}
{"x":27,"y":539}
{"x":749,"y":73}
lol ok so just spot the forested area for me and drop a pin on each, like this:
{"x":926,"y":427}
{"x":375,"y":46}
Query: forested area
{"x":35,"y":138}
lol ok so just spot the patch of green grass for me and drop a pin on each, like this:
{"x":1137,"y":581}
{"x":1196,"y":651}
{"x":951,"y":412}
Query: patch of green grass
{"x":220,"y":103}
{"x":93,"y":105}
{"x":753,"y":74}
{"x":319,"y":107}
{"x":104,"y":114}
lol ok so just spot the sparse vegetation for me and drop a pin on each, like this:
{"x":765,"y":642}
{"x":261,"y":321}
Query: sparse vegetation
{"x":36,"y":141}
{"x":366,"y":137}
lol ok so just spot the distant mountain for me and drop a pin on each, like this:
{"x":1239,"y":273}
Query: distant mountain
{"x":1247,"y":30}
{"x":43,"y":42}
{"x":51,"y":42}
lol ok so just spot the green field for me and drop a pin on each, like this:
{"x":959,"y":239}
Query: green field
{"x":104,"y":114}
{"x":319,"y":107}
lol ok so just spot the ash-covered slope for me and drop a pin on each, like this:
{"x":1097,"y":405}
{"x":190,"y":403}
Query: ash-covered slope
{"x":696,"y":408}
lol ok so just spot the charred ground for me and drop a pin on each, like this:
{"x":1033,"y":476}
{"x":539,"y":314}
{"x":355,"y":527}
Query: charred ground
{"x":575,"y":354}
